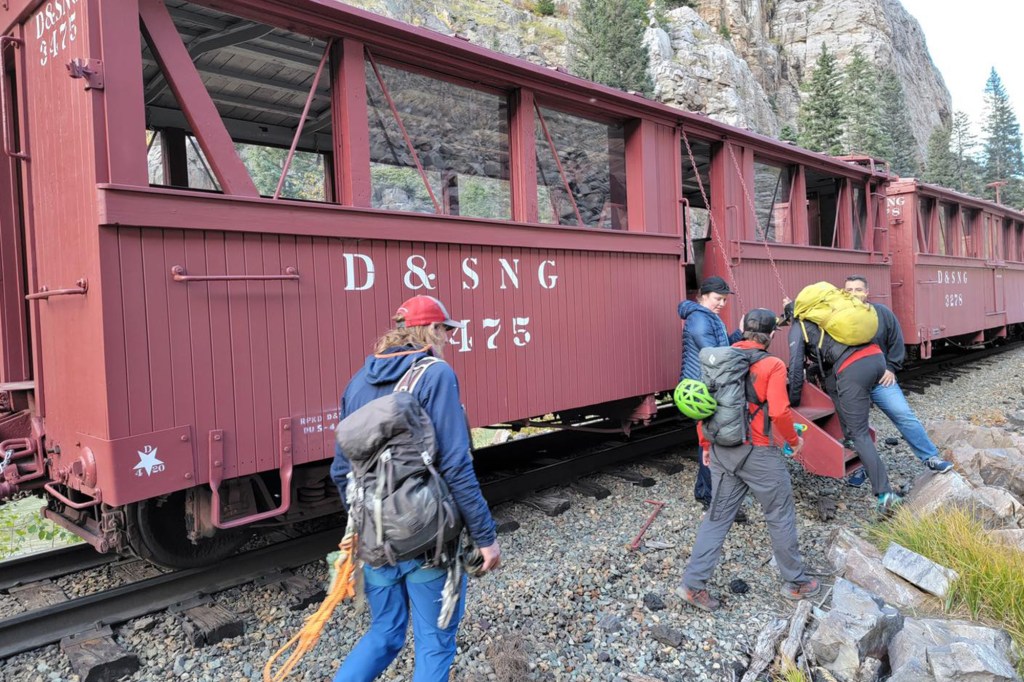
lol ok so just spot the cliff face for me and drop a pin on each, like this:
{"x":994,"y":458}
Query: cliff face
{"x":738,"y":61}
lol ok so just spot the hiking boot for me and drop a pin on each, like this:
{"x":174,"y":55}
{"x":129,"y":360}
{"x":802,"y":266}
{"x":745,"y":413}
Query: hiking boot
{"x":938,"y":465}
{"x":888,"y":503}
{"x":704,"y":502}
{"x":741,"y":516}
{"x":699,"y":598}
{"x":801,"y":590}
{"x":857,"y":478}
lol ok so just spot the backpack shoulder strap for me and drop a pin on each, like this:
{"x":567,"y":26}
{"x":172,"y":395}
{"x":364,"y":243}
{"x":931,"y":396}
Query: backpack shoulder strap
{"x":413,"y":375}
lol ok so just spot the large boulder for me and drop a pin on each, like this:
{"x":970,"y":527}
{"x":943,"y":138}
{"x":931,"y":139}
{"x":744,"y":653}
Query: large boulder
{"x":1002,"y":467}
{"x":918,"y":570}
{"x":845,"y":541}
{"x":861,"y":563}
{"x":859,"y":626}
{"x":997,"y":508}
{"x":945,"y":434}
{"x":1011,"y":537}
{"x":912,"y":671}
{"x":970,"y":661}
{"x":931,"y":493}
{"x":913,"y":644}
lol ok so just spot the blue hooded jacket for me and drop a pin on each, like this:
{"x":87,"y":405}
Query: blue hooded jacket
{"x":703,"y":329}
{"x":438,"y":393}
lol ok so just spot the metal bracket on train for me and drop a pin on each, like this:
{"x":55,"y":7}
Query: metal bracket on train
{"x":216,"y":461}
{"x":89,"y":69}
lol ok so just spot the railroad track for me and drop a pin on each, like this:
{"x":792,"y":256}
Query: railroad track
{"x":927,"y":372}
{"x":51,"y":564}
{"x":51,"y":624}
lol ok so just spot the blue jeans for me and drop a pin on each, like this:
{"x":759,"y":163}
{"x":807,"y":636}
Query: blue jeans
{"x":390,"y":591}
{"x":893,"y":403}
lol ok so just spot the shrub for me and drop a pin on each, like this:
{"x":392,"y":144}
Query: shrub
{"x":545,"y":8}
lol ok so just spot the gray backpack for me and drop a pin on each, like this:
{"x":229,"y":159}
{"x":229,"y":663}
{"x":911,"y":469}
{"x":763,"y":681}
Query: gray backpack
{"x":401,"y":506}
{"x":726,"y":371}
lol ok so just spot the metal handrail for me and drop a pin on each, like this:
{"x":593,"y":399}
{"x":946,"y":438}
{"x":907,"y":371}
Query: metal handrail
{"x":178,"y":273}
{"x":80,"y":288}
{"x":50,"y":488}
{"x":8,"y":149}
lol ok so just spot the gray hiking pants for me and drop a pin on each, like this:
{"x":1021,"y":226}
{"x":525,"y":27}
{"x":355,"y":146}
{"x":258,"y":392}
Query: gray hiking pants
{"x":850,"y":390}
{"x":765,"y":476}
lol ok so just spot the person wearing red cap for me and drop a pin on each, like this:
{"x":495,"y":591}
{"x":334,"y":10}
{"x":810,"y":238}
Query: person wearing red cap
{"x":421,"y":326}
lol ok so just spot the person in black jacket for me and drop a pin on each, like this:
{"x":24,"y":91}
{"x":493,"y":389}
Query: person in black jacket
{"x":849,"y":374}
{"x":887,"y":394}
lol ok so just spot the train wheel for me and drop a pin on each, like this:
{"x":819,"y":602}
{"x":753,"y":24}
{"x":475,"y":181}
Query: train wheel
{"x":158,"y":533}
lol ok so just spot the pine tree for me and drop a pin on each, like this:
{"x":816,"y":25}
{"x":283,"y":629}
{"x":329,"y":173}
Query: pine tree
{"x":940,"y":166}
{"x":863,"y":134}
{"x":899,"y":145}
{"x":821,"y":115}
{"x":608,"y":44}
{"x":1003,"y":158}
{"x":963,"y":147}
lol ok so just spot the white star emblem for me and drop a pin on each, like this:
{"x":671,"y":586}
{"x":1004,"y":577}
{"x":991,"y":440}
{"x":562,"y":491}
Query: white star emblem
{"x":148,"y":461}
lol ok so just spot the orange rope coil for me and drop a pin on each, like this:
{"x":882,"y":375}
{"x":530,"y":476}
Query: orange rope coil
{"x":342,"y":587}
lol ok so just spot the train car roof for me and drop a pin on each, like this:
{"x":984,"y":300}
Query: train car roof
{"x":951,"y":195}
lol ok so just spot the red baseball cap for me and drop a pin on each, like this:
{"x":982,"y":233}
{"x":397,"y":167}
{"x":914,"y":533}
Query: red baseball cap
{"x":420,"y":311}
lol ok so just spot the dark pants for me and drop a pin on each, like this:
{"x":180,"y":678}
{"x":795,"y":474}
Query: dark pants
{"x":763,"y":473}
{"x":850,"y":390}
{"x":702,"y":486}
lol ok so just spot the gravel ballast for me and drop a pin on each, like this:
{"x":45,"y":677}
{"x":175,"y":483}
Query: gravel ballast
{"x":570,"y":602}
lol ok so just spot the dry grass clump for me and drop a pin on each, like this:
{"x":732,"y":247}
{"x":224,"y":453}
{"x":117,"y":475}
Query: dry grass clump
{"x":990,"y":587}
{"x":508,"y":658}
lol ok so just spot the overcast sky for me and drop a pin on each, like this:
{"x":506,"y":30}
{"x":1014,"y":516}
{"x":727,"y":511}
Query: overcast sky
{"x":967,"y":39}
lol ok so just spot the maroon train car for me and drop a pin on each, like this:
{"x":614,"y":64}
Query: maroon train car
{"x":211,"y":208}
{"x":958,"y":266}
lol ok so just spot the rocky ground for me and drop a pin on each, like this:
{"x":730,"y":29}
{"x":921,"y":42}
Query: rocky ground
{"x":570,"y":603}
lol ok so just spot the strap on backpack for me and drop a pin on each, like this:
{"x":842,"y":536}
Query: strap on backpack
{"x":413,"y":375}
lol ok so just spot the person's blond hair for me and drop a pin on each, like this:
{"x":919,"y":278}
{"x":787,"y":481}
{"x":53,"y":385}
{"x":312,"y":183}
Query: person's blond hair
{"x":429,"y":336}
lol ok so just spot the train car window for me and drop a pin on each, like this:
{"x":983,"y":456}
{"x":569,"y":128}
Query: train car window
{"x":155,"y":157}
{"x":458,"y":135}
{"x":581,"y":171}
{"x":772,"y":186}
{"x":977,"y":242}
{"x":822,"y":208}
{"x":925,"y":206}
{"x":1019,"y":239}
{"x":258,"y":77}
{"x":697,"y":176}
{"x":306,"y":172}
{"x":860,"y":216}
{"x":953,"y":241}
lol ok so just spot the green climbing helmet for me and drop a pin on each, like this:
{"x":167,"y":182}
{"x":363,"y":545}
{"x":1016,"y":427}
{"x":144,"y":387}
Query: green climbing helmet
{"x":693,"y":399}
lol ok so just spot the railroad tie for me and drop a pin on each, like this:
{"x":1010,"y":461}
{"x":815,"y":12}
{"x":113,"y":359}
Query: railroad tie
{"x":206,"y":623}
{"x":96,"y":657}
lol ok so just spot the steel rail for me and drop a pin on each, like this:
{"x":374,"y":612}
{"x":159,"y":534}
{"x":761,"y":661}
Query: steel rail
{"x":53,"y":563}
{"x":34,"y":629}
{"x":518,"y":485}
{"x":936,"y":366}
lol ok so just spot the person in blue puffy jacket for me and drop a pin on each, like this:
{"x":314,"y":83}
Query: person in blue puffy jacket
{"x":703,"y":328}
{"x":421,"y":329}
